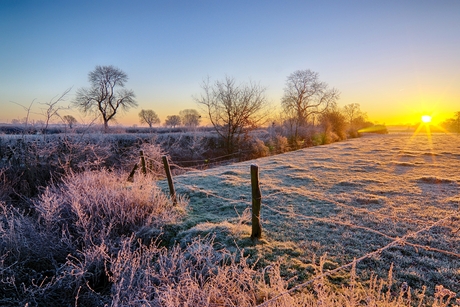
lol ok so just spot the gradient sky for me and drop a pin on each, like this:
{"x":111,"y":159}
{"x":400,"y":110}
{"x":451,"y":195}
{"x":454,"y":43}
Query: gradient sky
{"x":397,"y":59}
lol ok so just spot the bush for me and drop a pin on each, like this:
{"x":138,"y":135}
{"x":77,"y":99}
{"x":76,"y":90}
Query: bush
{"x":278,"y":144}
{"x":102,"y":207}
{"x":28,"y":163}
{"x":257,"y":149}
{"x":63,"y":252}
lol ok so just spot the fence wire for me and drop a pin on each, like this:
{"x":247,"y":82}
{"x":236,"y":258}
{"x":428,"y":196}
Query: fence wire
{"x":395,"y":241}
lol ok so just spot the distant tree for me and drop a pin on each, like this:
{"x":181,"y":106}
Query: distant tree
{"x":452,"y":124}
{"x":148,"y":117}
{"x":190,"y":117}
{"x":352,"y":111}
{"x":233,"y":109}
{"x":39,"y":123}
{"x":28,"y":110}
{"x":52,"y":107}
{"x":305,"y":97}
{"x":355,"y":118}
{"x":102,"y":98}
{"x":334,"y":125}
{"x":69,"y":120}
{"x":173,"y":121}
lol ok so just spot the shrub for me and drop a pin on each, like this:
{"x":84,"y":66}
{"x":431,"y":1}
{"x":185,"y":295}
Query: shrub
{"x":101,"y":206}
{"x":278,"y":144}
{"x":257,"y":149}
{"x":62,"y":254}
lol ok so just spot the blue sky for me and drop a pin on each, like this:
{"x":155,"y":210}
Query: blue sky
{"x":397,"y":59}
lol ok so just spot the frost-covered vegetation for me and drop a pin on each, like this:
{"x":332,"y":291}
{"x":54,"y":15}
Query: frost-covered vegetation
{"x":344,"y":200}
{"x":86,"y":236}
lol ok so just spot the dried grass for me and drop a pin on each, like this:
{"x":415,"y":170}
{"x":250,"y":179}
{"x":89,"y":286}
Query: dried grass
{"x":96,"y":240}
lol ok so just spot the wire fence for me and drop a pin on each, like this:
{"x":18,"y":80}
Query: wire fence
{"x":394,"y":241}
{"x":331,"y":220}
{"x":397,"y":241}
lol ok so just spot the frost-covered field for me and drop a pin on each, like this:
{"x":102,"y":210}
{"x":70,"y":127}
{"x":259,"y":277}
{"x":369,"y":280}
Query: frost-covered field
{"x":343,"y":200}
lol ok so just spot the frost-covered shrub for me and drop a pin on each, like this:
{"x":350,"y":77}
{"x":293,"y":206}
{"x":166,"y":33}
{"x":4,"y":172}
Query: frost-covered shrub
{"x":258,"y":149}
{"x":30,"y":259}
{"x":30,"y":162}
{"x":198,"y":275}
{"x":325,"y":138}
{"x":99,"y":206}
{"x":189,"y":146}
{"x":278,"y":144}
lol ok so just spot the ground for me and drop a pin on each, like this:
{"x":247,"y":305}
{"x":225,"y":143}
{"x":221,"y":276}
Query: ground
{"x":344,"y":200}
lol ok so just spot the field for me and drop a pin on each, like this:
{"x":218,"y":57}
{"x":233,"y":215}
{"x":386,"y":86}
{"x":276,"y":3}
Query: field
{"x":396,"y":192}
{"x":371,"y":221}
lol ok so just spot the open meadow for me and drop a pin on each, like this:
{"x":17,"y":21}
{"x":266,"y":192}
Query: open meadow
{"x":391,"y":199}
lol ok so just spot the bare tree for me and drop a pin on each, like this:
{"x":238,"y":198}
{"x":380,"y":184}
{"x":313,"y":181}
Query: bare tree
{"x":148,"y":117}
{"x":190,"y":117}
{"x":233,"y":109}
{"x":352,"y":112}
{"x":305,"y":96}
{"x":52,"y":109}
{"x":173,"y":121}
{"x":102,"y":98}
{"x":69,"y":120}
{"x":28,"y":110}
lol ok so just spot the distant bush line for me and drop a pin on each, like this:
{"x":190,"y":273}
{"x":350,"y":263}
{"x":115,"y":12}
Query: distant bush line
{"x":31,"y":158}
{"x":61,"y":129}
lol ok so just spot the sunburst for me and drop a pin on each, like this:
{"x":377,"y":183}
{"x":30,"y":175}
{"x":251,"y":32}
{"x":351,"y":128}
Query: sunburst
{"x":426,"y":119}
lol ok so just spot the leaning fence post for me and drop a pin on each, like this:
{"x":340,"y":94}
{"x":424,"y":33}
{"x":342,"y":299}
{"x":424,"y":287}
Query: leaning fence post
{"x":172,"y":192}
{"x":131,"y":175}
{"x":256,"y":203}
{"x":144,"y":170}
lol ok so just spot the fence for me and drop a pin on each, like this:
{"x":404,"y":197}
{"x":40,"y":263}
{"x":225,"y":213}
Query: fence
{"x":258,"y":205}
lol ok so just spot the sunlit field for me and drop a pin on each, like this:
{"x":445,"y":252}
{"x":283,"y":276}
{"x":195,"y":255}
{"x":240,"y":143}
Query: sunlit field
{"x":372,"y":221}
{"x":391,"y":199}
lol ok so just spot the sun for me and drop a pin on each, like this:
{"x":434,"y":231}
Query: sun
{"x":426,"y":119}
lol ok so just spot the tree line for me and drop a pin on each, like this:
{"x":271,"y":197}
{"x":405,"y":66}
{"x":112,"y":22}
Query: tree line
{"x":452,"y":124}
{"x":308,"y":108}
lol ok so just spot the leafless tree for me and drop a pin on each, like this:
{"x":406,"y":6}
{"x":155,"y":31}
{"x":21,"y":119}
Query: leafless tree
{"x":305,"y":96}
{"x":190,"y":117}
{"x":356,"y":118}
{"x":102,"y":98}
{"x":148,"y":117}
{"x":69,"y":120}
{"x":28,"y":110}
{"x":173,"y":121}
{"x":52,"y":109}
{"x":353,"y":111}
{"x":233,"y":109}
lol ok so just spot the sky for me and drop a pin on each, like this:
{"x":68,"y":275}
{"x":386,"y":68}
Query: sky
{"x":398,"y":59}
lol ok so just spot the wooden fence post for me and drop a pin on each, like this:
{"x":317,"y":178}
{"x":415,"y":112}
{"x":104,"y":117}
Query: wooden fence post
{"x":144,"y":170}
{"x":172,"y":191}
{"x":131,"y":175}
{"x":256,"y":203}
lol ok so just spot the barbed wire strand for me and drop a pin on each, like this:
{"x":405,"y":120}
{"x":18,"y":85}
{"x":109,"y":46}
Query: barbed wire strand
{"x":395,"y":241}
{"x":319,"y":219}
{"x":398,"y":241}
